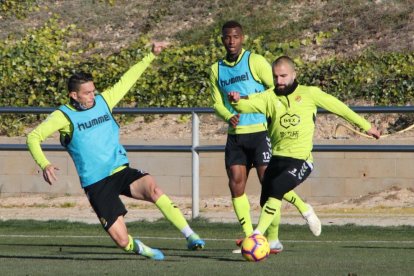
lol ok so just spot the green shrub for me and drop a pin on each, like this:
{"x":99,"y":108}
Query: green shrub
{"x":17,"y":8}
{"x":384,"y":79}
{"x":34,"y":70}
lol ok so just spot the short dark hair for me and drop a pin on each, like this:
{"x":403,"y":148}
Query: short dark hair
{"x":284,"y":59}
{"x":77,"y":79}
{"x":231,"y":24}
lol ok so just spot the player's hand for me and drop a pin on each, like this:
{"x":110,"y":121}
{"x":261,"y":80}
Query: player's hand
{"x":373,"y":131}
{"x":158,"y":46}
{"x":233,"y":96}
{"x":234,"y":120}
{"x":49,"y":174}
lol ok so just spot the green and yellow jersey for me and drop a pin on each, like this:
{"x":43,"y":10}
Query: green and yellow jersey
{"x":293,"y":118}
{"x":257,"y":67}
{"x":57,"y":121}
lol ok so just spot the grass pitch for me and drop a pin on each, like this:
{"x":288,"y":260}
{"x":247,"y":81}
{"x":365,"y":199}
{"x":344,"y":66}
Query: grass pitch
{"x":65,"y":248}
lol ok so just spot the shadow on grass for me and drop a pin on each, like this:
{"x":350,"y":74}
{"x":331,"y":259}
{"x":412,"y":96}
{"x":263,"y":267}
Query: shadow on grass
{"x":218,"y":254}
{"x":57,"y":245}
{"x":65,"y":252}
{"x":44,"y":257}
{"x":379,"y":247}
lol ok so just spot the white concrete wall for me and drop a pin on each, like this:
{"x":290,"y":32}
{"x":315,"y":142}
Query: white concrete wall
{"x":337,"y":175}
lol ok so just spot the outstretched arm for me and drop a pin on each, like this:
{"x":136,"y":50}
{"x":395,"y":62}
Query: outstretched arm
{"x":114,"y":94}
{"x":335,"y":106}
{"x":258,"y":103}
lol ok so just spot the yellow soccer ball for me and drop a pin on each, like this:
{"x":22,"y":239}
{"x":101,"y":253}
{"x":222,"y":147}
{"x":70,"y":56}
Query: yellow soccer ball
{"x":255,"y":248}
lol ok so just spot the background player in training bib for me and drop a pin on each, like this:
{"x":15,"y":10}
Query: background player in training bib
{"x":247,"y":143}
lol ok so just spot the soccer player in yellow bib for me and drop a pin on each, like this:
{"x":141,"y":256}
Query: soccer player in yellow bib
{"x":292,"y":109}
{"x":247,"y":143}
{"x":90,"y":134}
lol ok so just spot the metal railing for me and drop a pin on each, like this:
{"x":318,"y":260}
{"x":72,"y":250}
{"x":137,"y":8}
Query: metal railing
{"x":195,"y":148}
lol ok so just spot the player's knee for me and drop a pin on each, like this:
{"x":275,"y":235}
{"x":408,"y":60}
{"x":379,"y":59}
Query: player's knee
{"x":237,"y":188}
{"x":237,"y":183}
{"x":157,"y":192}
{"x":122,"y":242}
{"x":153,"y":191}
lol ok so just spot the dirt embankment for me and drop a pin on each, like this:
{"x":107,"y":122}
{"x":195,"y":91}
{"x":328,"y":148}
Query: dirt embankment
{"x":391,"y":207}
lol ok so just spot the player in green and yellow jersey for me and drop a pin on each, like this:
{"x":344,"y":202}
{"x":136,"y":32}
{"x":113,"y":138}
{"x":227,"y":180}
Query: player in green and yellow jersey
{"x":91,"y":136}
{"x":292,"y":110}
{"x":247,"y":143}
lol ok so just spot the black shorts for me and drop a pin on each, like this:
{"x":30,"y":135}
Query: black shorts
{"x":250,"y":150}
{"x":282,"y":175}
{"x":104,"y":195}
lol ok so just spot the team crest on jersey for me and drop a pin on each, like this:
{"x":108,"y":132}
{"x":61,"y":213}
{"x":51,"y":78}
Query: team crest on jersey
{"x":298,"y":98}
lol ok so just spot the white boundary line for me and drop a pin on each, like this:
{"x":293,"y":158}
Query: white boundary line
{"x":207,"y":239}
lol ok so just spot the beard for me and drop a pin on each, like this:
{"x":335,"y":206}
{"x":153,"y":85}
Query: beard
{"x":281,"y":89}
{"x":286,"y":89}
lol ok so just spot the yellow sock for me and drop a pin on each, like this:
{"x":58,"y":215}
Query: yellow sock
{"x":241,"y":206}
{"x":131,"y":247}
{"x":273,"y":230}
{"x":293,"y":198}
{"x":270,"y":212}
{"x":171,"y":212}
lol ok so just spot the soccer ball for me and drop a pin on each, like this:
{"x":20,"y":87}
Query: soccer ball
{"x":255,"y":248}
